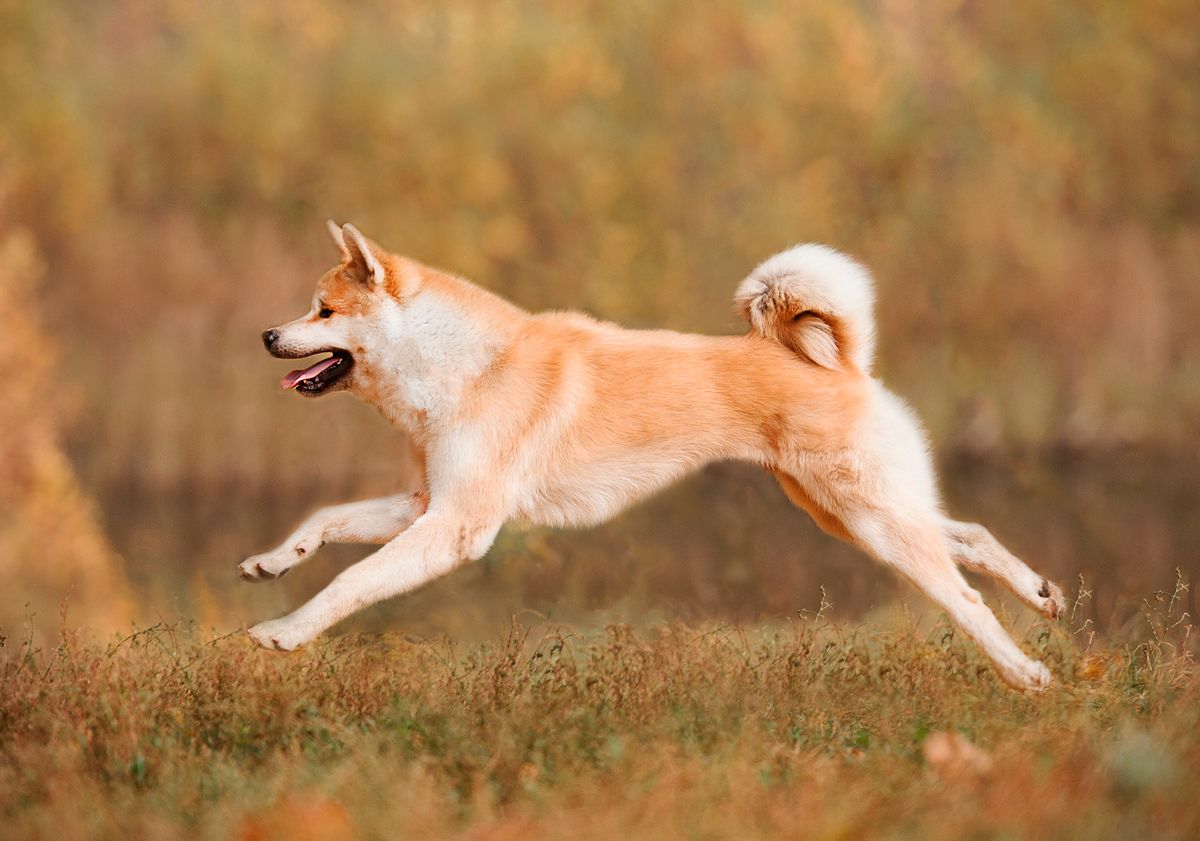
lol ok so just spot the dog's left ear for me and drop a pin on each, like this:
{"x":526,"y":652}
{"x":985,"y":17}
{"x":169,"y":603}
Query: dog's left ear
{"x":363,"y":255}
{"x":335,"y":233}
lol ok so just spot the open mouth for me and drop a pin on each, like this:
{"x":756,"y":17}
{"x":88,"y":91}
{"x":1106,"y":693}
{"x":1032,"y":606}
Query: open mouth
{"x":318,"y":377}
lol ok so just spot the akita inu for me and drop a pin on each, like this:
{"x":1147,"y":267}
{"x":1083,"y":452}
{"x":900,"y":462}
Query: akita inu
{"x":559,"y":419}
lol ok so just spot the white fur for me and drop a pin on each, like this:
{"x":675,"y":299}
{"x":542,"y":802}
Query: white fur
{"x":818,"y":278}
{"x":427,"y":353}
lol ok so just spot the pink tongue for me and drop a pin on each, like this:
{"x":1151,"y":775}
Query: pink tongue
{"x":296,"y":377}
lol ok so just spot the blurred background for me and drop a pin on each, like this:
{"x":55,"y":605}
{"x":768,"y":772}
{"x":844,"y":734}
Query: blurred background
{"x":1023,"y":178}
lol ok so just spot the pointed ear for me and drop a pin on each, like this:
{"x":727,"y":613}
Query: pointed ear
{"x":364,"y":255}
{"x":336,"y":234}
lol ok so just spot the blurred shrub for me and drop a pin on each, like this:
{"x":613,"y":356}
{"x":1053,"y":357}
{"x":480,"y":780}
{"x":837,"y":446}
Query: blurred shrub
{"x":52,"y":551}
{"x":1022,"y":177}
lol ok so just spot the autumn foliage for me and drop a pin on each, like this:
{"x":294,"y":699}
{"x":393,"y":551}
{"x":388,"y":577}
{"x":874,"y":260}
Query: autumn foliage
{"x":54,"y":557}
{"x":1021,"y":176}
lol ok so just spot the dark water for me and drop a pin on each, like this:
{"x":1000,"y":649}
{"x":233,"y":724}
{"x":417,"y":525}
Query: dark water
{"x":722,"y":545}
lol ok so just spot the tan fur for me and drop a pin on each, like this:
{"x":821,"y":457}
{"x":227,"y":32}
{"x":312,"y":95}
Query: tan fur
{"x":559,"y":419}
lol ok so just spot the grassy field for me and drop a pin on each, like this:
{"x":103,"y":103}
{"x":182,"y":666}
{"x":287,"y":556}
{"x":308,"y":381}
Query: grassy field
{"x":1022,"y":178}
{"x":802,"y":730}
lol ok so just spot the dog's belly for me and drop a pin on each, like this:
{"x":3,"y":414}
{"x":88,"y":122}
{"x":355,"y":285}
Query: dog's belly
{"x":591,"y":494}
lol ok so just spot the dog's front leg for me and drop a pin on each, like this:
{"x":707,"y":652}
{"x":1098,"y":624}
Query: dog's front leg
{"x":369,"y":521}
{"x":434,"y":545}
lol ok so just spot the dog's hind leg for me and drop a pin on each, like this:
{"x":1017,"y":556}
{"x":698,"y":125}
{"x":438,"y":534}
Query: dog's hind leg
{"x":801,"y":498}
{"x":974,"y":548}
{"x":914,"y":547}
{"x":882,"y":496}
{"x":369,"y":521}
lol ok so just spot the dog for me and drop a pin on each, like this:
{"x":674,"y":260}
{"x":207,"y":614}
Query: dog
{"x":561,"y":420}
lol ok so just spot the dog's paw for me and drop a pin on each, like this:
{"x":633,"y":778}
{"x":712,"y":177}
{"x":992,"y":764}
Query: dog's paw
{"x":1039,"y":677}
{"x":266,"y":567}
{"x":1031,"y":676}
{"x":279,"y":634}
{"x":1050,"y":600}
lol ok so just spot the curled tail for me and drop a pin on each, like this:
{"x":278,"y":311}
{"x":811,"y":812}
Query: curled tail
{"x":816,"y":301}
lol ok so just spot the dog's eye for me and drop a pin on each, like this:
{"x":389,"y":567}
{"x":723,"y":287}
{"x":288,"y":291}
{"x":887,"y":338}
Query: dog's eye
{"x":325,"y":312}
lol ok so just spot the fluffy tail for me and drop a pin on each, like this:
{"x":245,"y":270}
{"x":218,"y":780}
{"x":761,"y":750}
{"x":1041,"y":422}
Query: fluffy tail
{"x":816,"y":301}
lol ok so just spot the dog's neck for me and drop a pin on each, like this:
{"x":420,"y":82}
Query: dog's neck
{"x":432,"y":347}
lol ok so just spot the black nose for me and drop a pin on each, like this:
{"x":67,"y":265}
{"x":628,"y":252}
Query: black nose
{"x":270,"y":337}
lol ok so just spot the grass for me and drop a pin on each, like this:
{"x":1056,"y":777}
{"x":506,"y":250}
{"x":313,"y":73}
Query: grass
{"x":801,"y":730}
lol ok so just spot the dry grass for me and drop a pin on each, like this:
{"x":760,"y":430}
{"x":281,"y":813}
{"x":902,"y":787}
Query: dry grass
{"x":805,"y":730}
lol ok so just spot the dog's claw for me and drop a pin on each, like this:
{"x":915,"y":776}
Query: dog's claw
{"x":1053,"y":601}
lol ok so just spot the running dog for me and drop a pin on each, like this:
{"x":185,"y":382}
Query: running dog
{"x":561,"y":420}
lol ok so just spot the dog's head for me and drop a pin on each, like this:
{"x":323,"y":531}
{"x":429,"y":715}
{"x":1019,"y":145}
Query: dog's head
{"x":348,"y":316}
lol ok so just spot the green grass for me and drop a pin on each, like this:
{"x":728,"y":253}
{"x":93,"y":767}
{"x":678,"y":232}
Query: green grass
{"x":802,"y":730}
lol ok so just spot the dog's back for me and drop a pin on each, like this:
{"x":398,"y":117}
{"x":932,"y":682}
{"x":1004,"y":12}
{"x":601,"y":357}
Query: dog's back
{"x":600,"y":416}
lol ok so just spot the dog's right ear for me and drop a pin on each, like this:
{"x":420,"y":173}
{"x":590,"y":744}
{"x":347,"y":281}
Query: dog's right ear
{"x":335,"y":232}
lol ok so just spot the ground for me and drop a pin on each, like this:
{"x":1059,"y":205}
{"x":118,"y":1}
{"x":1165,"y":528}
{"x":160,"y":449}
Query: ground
{"x":804,"y":729}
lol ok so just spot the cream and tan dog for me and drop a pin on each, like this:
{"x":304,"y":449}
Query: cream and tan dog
{"x":558,"y":419}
